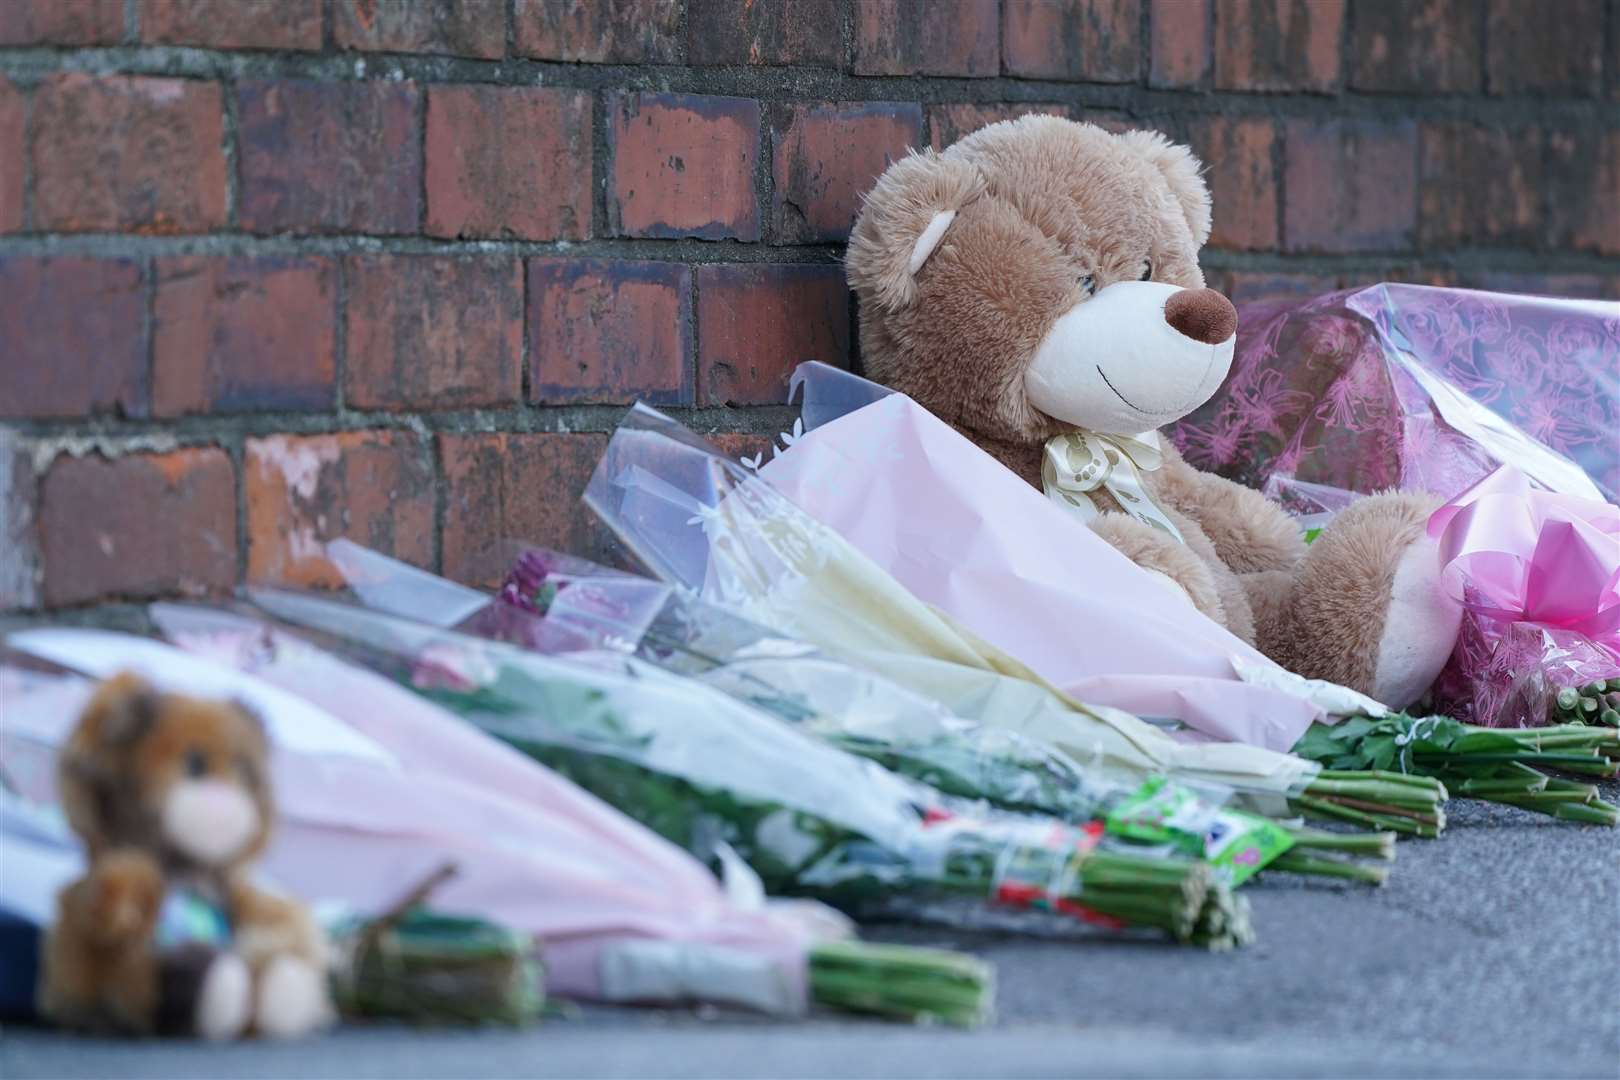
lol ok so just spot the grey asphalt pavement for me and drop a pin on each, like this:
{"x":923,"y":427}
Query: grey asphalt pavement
{"x":1493,"y":951}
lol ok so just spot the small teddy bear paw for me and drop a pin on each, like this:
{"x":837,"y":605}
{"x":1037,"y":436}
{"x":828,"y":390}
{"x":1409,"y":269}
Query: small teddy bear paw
{"x":224,"y":1000}
{"x":291,"y":1000}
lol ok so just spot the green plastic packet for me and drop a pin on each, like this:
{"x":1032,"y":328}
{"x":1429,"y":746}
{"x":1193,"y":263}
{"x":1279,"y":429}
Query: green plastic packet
{"x":1235,"y":844}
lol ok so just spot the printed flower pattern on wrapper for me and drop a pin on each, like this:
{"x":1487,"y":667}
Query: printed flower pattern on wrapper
{"x":1317,"y":393}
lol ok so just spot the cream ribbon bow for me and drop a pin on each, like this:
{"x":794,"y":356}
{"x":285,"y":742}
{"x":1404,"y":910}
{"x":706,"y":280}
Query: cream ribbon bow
{"x":1083,"y":461}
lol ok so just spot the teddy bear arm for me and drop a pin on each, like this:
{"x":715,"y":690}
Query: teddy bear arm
{"x":1249,"y":531}
{"x":1161,"y":554}
{"x":99,"y":971}
{"x":267,"y":925}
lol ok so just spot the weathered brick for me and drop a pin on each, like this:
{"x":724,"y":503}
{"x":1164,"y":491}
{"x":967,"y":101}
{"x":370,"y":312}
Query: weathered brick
{"x":758,"y":321}
{"x":13,"y":126}
{"x":138,"y":526}
{"x":598,"y":31}
{"x":508,"y":162}
{"x":1544,"y":49}
{"x":609,"y":330}
{"x":237,"y":334}
{"x":524,"y":487}
{"x":1247,"y":288}
{"x":328,"y":157}
{"x":433,"y":332}
{"x":232,"y":24}
{"x":1611,"y":66}
{"x":1351,"y":185}
{"x":116,"y":153}
{"x":1093,"y":40}
{"x":1278,"y":44}
{"x":917,"y":37}
{"x":1416,"y":46}
{"x":805,"y":32}
{"x":447,"y":27}
{"x":826,"y":158}
{"x":742,"y":445}
{"x":948,"y":123}
{"x":70,"y":337}
{"x":373,"y":487}
{"x":1179,"y":46}
{"x":1237,"y":152}
{"x":1576,"y":286}
{"x":19,"y":536}
{"x":1584,"y":185}
{"x":61,"y":22}
{"x":683,"y":165}
{"x":1479,"y":185}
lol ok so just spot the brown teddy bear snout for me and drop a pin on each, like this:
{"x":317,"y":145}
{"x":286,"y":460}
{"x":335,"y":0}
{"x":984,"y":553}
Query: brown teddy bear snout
{"x":1201,"y":314}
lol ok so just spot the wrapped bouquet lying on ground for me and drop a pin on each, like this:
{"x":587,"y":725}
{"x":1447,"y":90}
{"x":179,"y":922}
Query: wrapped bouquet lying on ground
{"x":717,"y":776}
{"x":376,"y":786}
{"x":553,"y":602}
{"x":702,"y":521}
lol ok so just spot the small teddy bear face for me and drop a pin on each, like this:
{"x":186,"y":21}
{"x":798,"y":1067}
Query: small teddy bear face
{"x":182,"y":778}
{"x":1042,"y":275}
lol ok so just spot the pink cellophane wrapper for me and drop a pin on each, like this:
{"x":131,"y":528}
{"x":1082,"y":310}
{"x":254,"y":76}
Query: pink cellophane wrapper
{"x":363,"y":823}
{"x":1539,"y":577}
{"x":1418,"y":388}
{"x":967,"y":536}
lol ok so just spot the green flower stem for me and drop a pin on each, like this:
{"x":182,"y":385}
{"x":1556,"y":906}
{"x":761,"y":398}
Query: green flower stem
{"x":1327,"y":809}
{"x":1379,"y":845}
{"x":1301,"y":863}
{"x":1407,"y":796}
{"x":902,"y":982}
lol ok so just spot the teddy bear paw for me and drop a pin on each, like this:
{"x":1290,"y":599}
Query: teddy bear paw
{"x":291,"y":1000}
{"x":224,"y":999}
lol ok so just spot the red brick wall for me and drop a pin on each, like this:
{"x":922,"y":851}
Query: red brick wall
{"x":275,"y":271}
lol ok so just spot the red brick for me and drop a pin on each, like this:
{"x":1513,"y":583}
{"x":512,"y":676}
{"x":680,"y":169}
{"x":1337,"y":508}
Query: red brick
{"x":509,"y":162}
{"x":128,"y":154}
{"x":758,"y":321}
{"x":19,"y":536}
{"x":524,"y":487}
{"x":918,"y":37}
{"x":1093,"y":40}
{"x":1611,"y":66}
{"x":741,"y":445}
{"x":70,"y":333}
{"x":328,"y":157}
{"x":433,"y":332}
{"x":1584,"y":182}
{"x":598,"y":31}
{"x":61,"y":22}
{"x":807,"y":32}
{"x":827,"y":157}
{"x":1247,"y":288}
{"x":1179,"y":46}
{"x":1237,"y":152}
{"x":683,"y":165}
{"x":1351,"y":185}
{"x":1479,"y":186}
{"x":609,"y":330}
{"x":13,"y":125}
{"x":373,"y":487}
{"x":138,"y":526}
{"x":448,"y":27}
{"x":949,"y":123}
{"x":1278,"y":44}
{"x":1416,"y":46}
{"x":1577,"y":286}
{"x":1541,"y":49}
{"x":238,"y":334}
{"x":232,"y":24}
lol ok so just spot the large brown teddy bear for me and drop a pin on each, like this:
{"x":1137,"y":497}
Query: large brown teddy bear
{"x":1037,"y":286}
{"x":164,"y":933}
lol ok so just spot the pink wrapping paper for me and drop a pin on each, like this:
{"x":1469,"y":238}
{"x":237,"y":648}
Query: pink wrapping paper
{"x":966,"y":535}
{"x":1539,"y":577}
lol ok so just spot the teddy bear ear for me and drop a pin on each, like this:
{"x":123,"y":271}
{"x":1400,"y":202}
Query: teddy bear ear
{"x":1182,"y":171}
{"x":902,"y":222}
{"x":123,"y":709}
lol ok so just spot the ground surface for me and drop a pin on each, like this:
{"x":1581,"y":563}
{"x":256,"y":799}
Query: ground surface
{"x":1491,"y":952}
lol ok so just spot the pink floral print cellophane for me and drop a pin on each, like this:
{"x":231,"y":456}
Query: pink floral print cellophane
{"x":1316,"y":393}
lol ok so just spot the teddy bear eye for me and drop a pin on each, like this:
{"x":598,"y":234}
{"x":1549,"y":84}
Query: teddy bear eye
{"x":1147,"y":270}
{"x":1089,"y":284}
{"x":196,"y":763}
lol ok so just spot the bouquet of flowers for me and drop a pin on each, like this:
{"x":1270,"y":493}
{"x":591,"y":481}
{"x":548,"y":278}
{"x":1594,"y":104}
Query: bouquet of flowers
{"x":553,"y":602}
{"x":716,"y":776}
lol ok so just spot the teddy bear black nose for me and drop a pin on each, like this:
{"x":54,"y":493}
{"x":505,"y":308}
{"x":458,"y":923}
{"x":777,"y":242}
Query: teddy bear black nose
{"x":1201,"y":314}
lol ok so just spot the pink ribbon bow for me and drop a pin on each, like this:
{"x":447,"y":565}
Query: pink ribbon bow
{"x":1515,"y":553}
